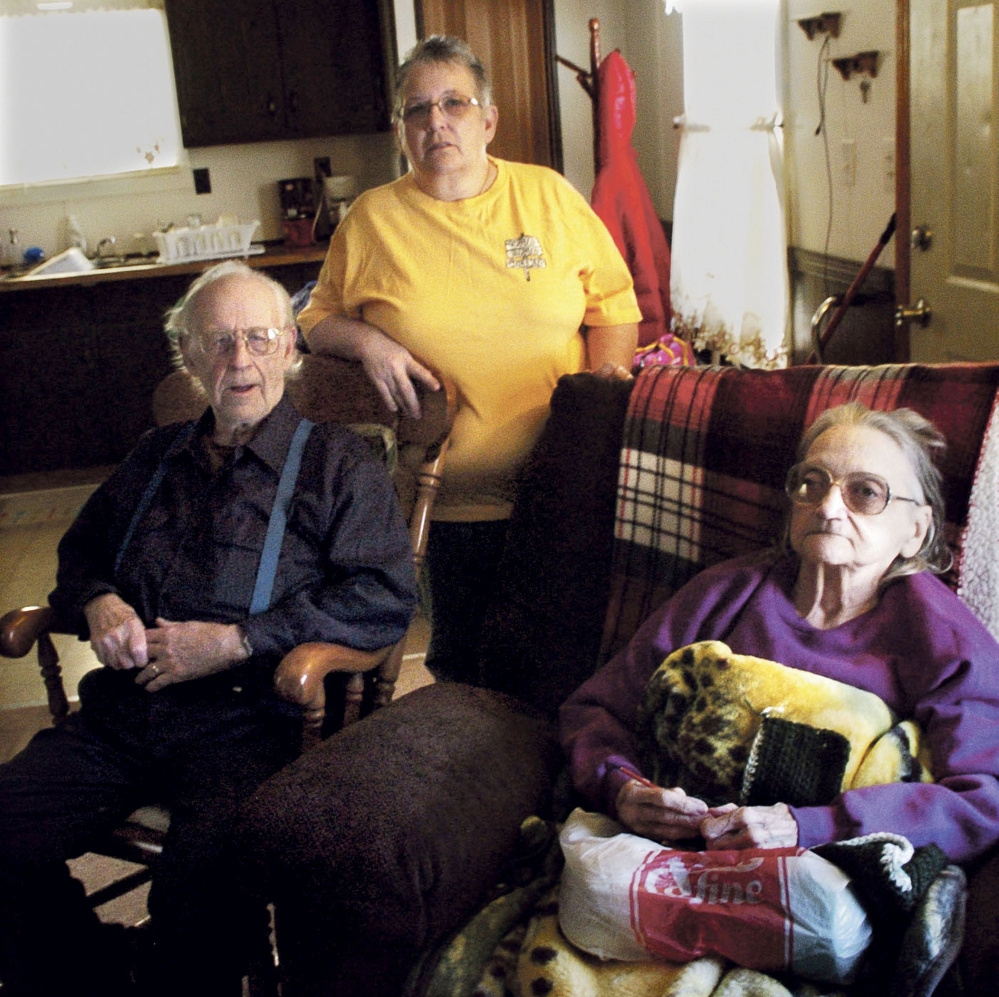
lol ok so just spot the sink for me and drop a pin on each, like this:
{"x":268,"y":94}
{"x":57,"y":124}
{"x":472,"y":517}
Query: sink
{"x":73,"y":261}
{"x":124,"y":262}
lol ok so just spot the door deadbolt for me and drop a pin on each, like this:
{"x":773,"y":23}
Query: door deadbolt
{"x":919,"y":312}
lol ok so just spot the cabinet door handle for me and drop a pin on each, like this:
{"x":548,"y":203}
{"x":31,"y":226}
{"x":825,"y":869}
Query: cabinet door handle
{"x":272,"y":105}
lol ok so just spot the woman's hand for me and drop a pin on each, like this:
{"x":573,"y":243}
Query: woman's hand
{"x":613,"y":372}
{"x":749,"y":827}
{"x":117,"y":635}
{"x":390,"y":367}
{"x":664,"y":815}
{"x":393,"y":371}
{"x":179,"y":652}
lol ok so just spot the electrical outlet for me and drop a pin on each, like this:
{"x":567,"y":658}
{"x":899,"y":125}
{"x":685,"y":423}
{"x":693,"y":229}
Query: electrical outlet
{"x":202,"y":181}
{"x":848,"y":150}
{"x":321,"y":166}
{"x":888,"y":159}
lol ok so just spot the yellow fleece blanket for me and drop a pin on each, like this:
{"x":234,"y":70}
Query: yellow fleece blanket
{"x":735,"y":728}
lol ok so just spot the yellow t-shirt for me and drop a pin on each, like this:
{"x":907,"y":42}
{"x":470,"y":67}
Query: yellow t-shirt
{"x":489,"y":293}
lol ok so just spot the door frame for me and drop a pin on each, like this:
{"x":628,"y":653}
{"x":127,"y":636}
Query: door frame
{"x":903,"y":213}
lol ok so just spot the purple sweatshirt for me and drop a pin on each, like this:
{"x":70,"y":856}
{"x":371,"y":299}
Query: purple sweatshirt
{"x":920,"y":649}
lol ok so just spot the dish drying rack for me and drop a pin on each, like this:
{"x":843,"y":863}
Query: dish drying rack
{"x":206,"y":242}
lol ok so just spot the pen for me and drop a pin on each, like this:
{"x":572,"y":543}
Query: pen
{"x":631,"y":774}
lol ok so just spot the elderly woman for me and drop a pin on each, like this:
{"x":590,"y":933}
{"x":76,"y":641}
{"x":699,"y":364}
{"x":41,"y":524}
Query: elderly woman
{"x":852,"y":598}
{"x":190,"y":598}
{"x":494,"y":277}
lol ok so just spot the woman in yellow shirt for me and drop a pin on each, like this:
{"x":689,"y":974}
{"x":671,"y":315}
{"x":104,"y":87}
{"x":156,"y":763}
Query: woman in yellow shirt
{"x":493,"y":277}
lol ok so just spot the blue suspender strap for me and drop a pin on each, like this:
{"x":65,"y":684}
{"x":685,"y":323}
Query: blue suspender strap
{"x":279,"y":518}
{"x":154,"y":483}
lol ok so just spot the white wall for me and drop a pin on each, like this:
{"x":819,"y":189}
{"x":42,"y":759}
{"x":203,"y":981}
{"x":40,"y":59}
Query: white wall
{"x":863,"y":198}
{"x":244,"y":183}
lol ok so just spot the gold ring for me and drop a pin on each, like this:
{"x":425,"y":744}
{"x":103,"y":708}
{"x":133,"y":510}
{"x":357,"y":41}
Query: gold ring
{"x":155,"y":669}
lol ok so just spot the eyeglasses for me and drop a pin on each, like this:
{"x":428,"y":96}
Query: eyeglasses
{"x":260,"y":342}
{"x":453,"y":106}
{"x":863,"y":493}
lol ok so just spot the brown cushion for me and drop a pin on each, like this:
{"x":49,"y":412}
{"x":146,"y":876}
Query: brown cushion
{"x":392,"y":832}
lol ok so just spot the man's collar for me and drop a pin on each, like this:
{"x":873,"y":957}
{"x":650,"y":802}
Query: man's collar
{"x":271,"y":441}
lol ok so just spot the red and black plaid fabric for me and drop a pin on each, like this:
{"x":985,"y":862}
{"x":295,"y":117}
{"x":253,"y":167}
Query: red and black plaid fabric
{"x":706,"y":450}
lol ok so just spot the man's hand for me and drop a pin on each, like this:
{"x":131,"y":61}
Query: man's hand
{"x":116,"y":632}
{"x":179,"y":652}
{"x":750,"y":827}
{"x":663,"y":815}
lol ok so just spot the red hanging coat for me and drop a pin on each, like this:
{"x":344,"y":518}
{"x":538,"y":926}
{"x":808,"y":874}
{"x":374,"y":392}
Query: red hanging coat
{"x":622,"y":201}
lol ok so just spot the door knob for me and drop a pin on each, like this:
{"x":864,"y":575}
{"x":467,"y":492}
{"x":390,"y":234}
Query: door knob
{"x":919,"y":312}
{"x":921,"y":238}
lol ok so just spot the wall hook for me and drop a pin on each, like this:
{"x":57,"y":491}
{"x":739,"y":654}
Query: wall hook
{"x":862,"y":62}
{"x":820,"y":24}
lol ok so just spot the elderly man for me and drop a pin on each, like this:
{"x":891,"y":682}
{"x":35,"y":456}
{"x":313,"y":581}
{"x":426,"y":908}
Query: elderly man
{"x":190,"y":593}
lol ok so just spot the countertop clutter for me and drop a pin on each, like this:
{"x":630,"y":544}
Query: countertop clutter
{"x":136,"y":267}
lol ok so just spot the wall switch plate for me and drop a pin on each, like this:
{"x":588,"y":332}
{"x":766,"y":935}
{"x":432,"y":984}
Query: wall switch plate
{"x":202,"y":181}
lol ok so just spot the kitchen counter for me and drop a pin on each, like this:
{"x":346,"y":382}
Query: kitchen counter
{"x":274,"y":255}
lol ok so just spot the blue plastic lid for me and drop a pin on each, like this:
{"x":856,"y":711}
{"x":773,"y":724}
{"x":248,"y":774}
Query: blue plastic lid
{"x":34,"y":255}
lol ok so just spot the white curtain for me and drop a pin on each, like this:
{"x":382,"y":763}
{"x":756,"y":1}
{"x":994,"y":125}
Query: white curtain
{"x":729,"y":282}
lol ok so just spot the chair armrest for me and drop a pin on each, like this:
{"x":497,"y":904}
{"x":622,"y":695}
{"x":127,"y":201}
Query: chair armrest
{"x":299,"y":677}
{"x":32,"y":626}
{"x":21,"y":628}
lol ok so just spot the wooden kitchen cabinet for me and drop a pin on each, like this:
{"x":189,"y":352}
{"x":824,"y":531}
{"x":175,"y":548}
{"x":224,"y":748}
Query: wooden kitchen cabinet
{"x":78,"y":376}
{"x":260,"y":70}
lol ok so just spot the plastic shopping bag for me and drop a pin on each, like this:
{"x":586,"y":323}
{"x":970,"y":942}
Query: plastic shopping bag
{"x":625,"y":897}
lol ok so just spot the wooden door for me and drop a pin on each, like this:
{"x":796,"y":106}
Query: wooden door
{"x":515,"y":40}
{"x":953,"y":191}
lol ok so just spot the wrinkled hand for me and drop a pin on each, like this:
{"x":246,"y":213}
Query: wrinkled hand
{"x":117,"y":635}
{"x":613,"y":372}
{"x":749,"y":827}
{"x":393,"y":371}
{"x":663,"y":815}
{"x":179,"y":652}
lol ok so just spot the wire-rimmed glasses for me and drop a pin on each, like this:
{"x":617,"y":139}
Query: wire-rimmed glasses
{"x":863,"y":492}
{"x":453,"y":106}
{"x":260,"y":341}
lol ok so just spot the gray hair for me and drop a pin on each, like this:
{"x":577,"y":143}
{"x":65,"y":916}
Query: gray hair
{"x":923,"y":445}
{"x":178,"y":320}
{"x":438,"y":49}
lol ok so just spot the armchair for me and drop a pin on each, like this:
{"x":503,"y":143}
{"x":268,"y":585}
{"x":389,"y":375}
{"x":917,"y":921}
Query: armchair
{"x":324,"y":390}
{"x":379,"y":846}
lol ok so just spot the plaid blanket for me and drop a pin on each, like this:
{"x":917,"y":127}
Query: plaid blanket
{"x":705,"y":452}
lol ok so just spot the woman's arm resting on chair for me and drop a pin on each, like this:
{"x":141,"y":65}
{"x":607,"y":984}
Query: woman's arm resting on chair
{"x":391,"y":367}
{"x":610,"y":347}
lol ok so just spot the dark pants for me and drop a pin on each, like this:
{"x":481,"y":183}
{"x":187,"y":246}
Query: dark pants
{"x":201,"y":748}
{"x":462,"y":563}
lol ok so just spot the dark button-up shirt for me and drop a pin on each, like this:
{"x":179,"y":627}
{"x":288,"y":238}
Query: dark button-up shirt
{"x":345,"y":572}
